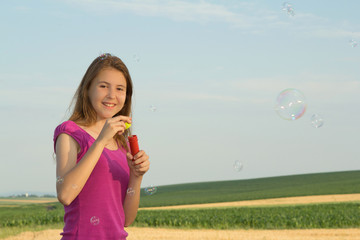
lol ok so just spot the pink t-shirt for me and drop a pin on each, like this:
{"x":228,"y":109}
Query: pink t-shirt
{"x":97,"y":212}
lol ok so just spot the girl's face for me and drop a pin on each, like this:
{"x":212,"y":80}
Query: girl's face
{"x":107,"y":93}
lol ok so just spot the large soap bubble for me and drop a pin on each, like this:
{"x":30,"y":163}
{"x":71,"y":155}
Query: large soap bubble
{"x":290,"y":104}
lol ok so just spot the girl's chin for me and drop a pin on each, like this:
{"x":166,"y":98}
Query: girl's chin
{"x":104,"y":117}
{"x":107,"y":115}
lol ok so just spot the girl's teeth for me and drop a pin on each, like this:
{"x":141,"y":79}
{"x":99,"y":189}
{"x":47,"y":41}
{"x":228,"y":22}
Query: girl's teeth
{"x":109,"y":105}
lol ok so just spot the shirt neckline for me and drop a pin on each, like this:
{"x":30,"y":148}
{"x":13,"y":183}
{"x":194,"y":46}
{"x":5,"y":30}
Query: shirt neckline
{"x":118,"y":147}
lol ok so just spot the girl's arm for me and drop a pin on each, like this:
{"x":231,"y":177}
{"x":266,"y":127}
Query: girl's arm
{"x":138,"y":167}
{"x":71,"y":177}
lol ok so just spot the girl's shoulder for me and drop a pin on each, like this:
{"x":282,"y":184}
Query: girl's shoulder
{"x":70,"y":128}
{"x":67,"y":126}
{"x":73,"y":130}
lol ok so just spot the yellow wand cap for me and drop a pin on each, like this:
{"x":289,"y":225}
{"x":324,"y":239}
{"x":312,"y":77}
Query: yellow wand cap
{"x":127,"y":125}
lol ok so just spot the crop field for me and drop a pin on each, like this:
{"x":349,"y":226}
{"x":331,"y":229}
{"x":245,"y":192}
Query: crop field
{"x":31,"y":214}
{"x":18,"y":215}
{"x":262,"y":188}
{"x":339,"y":215}
{"x":336,"y":215}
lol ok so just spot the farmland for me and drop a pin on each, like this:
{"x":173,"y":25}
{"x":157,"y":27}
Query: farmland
{"x":17,"y":215}
{"x":252,"y":189}
{"x":340,"y":215}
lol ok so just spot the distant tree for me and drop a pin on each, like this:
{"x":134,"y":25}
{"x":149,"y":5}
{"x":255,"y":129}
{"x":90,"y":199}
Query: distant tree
{"x":49,"y":196}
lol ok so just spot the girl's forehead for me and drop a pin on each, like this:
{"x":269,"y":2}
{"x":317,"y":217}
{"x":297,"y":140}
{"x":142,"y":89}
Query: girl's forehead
{"x":110,"y":75}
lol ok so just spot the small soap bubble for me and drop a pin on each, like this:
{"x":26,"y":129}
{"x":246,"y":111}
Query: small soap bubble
{"x":94,"y":220}
{"x":353,"y":43}
{"x":59,"y":180}
{"x":152,"y":108}
{"x":287,"y":7}
{"x":290,"y":104}
{"x":104,"y":55}
{"x":136,"y":57}
{"x":130,"y":191}
{"x":74,"y":186}
{"x":238,"y":166}
{"x":151,"y":190}
{"x":316,"y":120}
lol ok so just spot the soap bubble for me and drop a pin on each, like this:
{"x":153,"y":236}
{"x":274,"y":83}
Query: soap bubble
{"x":287,"y":7}
{"x":316,"y":120}
{"x":130,"y":191}
{"x":74,"y":186}
{"x":59,"y":180}
{"x":290,"y":104}
{"x":152,"y":108}
{"x":151,"y":190}
{"x":94,"y":220}
{"x":353,"y":43}
{"x":237,"y":166}
{"x":136,"y":57}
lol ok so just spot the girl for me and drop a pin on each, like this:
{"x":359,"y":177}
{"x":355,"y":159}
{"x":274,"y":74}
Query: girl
{"x":98,"y":180}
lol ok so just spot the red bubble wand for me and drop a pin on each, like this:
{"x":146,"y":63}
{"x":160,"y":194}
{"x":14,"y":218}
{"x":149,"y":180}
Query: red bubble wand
{"x":134,"y":145}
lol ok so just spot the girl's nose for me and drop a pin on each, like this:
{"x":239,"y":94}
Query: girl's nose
{"x":111,"y":93}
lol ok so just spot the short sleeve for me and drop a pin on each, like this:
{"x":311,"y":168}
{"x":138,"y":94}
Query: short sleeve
{"x":71,"y":129}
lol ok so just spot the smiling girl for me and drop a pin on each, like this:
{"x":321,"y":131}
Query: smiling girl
{"x":98,"y":180}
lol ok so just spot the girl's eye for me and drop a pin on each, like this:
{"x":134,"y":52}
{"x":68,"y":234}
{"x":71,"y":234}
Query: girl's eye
{"x":120,"y":89}
{"x":102,"y":86}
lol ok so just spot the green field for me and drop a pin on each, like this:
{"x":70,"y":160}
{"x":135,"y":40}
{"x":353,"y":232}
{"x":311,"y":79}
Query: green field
{"x":339,"y":215}
{"x":262,"y":188}
{"x":18,"y":216}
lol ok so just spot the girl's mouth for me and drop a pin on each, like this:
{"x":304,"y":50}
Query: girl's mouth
{"x":109,"y":105}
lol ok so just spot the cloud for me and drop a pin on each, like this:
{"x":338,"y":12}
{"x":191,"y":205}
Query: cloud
{"x":323,"y":87}
{"x":23,"y":9}
{"x":36,"y":96}
{"x":248,"y":17}
{"x":240,"y":15}
{"x":320,"y":88}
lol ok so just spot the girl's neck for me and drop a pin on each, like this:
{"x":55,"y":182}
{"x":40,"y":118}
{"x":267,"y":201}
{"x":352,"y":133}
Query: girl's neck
{"x":94,"y":128}
{"x":97,"y":126}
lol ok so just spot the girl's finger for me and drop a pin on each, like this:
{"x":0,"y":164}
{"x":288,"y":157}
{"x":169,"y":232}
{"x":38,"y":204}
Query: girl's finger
{"x":140,"y":160}
{"x":142,"y":165}
{"x":142,"y":170}
{"x":121,"y":118}
{"x":129,"y":156}
{"x":139,"y":154}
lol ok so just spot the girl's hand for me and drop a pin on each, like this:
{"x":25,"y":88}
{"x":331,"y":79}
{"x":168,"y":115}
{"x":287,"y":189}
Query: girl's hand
{"x":112,"y":126}
{"x":138,"y":164}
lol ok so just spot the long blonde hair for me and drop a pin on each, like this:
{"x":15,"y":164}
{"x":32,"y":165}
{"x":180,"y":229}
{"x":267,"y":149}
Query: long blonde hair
{"x":83,"y":111}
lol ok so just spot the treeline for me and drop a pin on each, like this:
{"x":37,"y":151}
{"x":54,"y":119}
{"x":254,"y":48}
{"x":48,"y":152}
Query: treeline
{"x":28,"y":195}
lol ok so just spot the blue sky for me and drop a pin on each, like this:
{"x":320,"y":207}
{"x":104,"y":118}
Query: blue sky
{"x":213,"y":69}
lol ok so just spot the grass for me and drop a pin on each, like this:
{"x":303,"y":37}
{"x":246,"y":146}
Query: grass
{"x":16,"y":217}
{"x":12,"y":231}
{"x":262,"y":188}
{"x":339,"y":215}
{"x":36,"y":217}
{"x":31,"y":214}
{"x":19,"y":217}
